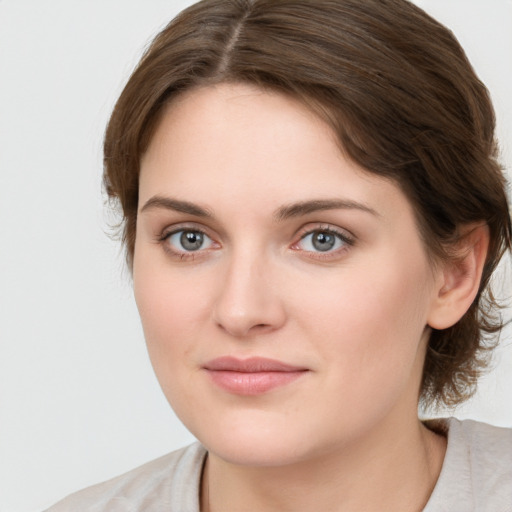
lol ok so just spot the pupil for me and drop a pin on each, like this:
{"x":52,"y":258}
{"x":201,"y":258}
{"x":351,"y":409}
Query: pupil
{"x":191,"y":240}
{"x":323,"y":241}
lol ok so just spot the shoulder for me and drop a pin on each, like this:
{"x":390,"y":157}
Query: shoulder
{"x":481,"y":435}
{"x":477,"y":469}
{"x":170,"y":482}
{"x":487,"y":449}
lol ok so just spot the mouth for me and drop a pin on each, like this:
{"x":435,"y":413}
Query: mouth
{"x":253,"y":376}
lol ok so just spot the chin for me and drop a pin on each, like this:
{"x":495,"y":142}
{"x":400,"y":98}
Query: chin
{"x":256,"y":452}
{"x":257,"y":438}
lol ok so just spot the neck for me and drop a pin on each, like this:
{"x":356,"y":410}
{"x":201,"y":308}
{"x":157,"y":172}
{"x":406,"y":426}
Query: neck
{"x":390,"y":469}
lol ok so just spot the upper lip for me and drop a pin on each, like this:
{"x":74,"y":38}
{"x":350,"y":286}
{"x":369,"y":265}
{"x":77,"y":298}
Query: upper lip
{"x":250,"y":365}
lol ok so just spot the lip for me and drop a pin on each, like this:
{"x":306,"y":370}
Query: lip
{"x":253,"y":376}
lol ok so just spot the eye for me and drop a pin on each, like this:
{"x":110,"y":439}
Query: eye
{"x":188,"y":240}
{"x":323,"y":240}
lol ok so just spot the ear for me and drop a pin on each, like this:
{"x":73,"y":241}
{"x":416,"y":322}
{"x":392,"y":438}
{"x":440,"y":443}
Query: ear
{"x":459,"y":278}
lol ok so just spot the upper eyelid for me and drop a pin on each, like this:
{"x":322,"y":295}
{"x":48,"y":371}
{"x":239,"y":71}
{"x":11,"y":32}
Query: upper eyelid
{"x":344,"y":239}
{"x":330,"y":228}
{"x":176,"y":228}
{"x":215,"y":232}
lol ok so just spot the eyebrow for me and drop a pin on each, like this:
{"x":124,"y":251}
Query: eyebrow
{"x":285,"y":212}
{"x":305,"y":207}
{"x":168,"y":203}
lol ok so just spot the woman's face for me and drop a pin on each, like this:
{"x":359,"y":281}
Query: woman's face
{"x":258,"y":240}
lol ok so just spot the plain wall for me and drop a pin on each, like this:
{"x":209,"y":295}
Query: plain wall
{"x":78,"y":399}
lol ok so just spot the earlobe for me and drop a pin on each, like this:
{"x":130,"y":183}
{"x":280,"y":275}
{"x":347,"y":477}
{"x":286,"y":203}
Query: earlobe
{"x":459,"y":278}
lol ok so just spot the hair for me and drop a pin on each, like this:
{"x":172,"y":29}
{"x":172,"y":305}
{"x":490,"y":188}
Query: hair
{"x":400,"y":95}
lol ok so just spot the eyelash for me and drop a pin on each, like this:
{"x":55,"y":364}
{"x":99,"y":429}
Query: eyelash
{"x":182,"y":255}
{"x":348,"y":241}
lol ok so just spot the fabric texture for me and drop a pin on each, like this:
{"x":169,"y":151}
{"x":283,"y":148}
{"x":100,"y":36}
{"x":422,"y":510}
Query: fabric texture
{"x":476,"y":477}
{"x":477,"y":470}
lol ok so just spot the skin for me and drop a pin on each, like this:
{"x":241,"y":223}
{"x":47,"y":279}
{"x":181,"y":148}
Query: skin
{"x":345,"y":435}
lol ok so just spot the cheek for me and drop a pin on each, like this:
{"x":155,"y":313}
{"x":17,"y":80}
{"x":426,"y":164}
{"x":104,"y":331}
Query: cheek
{"x":169,"y":311}
{"x":369,"y":321}
{"x":360,"y":300}
{"x":163,"y":304}
{"x":165,"y":296}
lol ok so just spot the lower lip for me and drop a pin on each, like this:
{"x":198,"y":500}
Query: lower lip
{"x":257,"y":383}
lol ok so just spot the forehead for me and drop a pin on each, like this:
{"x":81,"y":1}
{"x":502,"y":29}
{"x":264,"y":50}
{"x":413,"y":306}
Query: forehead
{"x":234,"y":144}
{"x":228,"y":118}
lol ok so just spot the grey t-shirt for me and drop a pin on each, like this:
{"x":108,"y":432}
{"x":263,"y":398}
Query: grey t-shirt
{"x":476,"y":477}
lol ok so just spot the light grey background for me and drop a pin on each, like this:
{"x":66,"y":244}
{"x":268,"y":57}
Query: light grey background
{"x":78,"y":399}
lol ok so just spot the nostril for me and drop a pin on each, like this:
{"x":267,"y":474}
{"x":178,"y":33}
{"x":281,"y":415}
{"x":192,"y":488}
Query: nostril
{"x":260,"y":328}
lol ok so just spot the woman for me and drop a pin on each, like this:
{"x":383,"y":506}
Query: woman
{"x":312,"y":212}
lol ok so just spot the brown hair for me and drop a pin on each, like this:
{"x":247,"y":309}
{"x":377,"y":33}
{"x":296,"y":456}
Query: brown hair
{"x":397,"y":89}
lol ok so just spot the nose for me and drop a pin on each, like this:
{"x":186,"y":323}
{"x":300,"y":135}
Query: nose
{"x":249,"y":301}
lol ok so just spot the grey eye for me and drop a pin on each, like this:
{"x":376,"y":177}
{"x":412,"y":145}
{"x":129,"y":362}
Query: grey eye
{"x":189,"y":240}
{"x":322,"y":241}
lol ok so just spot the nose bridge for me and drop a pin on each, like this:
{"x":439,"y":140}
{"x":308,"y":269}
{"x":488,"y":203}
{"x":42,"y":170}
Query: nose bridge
{"x":247,"y":300}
